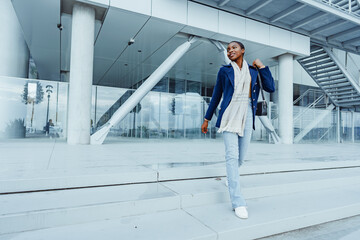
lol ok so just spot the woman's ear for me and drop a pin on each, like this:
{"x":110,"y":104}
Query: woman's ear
{"x":242,"y":51}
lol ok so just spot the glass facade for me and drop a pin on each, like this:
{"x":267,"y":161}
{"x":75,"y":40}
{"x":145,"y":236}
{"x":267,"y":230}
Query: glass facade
{"x":27,"y":105}
{"x":173,"y":109}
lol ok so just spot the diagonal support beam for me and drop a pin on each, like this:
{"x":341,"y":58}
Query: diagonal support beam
{"x":258,"y":5}
{"x":99,"y":136}
{"x":287,"y":12}
{"x":308,"y":20}
{"x":220,"y":47}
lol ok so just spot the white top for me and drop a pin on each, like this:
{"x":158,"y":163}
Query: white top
{"x":234,"y":117}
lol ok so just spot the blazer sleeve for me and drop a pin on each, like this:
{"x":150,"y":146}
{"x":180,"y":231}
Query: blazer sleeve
{"x":217,"y":93}
{"x":267,"y":79}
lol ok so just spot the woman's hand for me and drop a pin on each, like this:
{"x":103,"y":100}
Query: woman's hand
{"x":204,"y":126}
{"x":257,"y":63}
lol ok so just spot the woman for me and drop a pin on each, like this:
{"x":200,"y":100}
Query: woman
{"x":238,"y":84}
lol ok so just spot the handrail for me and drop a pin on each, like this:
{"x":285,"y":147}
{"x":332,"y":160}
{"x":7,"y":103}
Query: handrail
{"x":306,"y":92}
{"x":312,"y":105}
{"x":342,"y":69}
{"x":326,"y":132}
{"x":347,"y":9}
{"x":354,"y":66}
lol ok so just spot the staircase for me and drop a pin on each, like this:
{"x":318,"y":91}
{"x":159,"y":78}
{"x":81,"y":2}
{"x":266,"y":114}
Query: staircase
{"x":331,"y":76}
{"x":185,"y":209}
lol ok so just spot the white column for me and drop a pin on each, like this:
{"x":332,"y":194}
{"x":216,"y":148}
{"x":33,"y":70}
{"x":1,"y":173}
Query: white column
{"x":285,"y":92}
{"x":81,"y":74}
{"x":352,"y":126}
{"x":14,"y":53}
{"x":338,"y":125}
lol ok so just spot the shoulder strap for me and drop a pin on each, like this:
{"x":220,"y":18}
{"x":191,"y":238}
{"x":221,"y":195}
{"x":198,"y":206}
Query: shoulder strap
{"x":260,"y":83}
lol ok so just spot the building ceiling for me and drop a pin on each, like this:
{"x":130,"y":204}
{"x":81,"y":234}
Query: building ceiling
{"x":119,"y":65}
{"x":334,"y":23}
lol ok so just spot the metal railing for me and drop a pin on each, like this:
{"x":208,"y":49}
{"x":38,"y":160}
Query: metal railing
{"x":344,"y":6}
{"x":308,"y":92}
{"x":310,"y":106}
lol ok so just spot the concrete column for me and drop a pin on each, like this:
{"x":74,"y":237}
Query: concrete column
{"x":14,"y":57}
{"x":338,"y":125}
{"x":81,"y":74}
{"x":285,"y":93}
{"x":352,"y":126}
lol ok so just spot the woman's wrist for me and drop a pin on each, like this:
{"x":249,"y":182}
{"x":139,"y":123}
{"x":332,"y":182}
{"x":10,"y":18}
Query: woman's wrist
{"x":205,"y":120}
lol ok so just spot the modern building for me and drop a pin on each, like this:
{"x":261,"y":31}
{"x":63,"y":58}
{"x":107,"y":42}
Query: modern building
{"x":147,"y":68}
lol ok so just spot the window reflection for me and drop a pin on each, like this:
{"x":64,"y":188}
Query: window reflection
{"x":174,"y":109}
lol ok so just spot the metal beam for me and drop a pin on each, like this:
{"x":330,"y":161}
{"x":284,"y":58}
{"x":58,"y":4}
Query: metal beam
{"x":347,"y":42}
{"x":287,"y":12}
{"x":334,"y":11}
{"x":257,"y":6}
{"x":221,"y":49}
{"x":99,"y":136}
{"x":308,"y":20}
{"x":340,"y":34}
{"x":223,"y":3}
{"x":328,"y":26}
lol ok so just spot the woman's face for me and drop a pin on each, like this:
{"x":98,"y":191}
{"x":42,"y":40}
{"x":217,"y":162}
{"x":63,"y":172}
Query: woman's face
{"x":234,"y":51}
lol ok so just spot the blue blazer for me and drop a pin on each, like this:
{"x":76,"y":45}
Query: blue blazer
{"x":225,"y":87}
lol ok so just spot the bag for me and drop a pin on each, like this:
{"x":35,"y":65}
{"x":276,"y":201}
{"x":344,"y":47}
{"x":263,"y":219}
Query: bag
{"x":261,"y":108}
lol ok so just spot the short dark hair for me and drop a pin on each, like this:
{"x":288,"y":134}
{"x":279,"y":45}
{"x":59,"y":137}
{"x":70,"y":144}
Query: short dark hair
{"x":240,"y":44}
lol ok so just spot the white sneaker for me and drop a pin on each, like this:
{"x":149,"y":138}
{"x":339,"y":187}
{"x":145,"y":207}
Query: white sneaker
{"x":241,"y":212}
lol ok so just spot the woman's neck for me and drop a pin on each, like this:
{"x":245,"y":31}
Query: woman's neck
{"x":239,"y":62}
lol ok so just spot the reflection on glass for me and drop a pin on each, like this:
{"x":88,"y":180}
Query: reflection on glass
{"x":193,"y":87}
{"x":176,"y":86}
{"x":168,"y":112}
{"x":24,"y":113}
{"x":161,"y":86}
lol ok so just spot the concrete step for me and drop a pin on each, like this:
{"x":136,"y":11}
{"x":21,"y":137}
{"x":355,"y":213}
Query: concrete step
{"x":267,"y":216}
{"x":80,"y":178}
{"x":38,"y":210}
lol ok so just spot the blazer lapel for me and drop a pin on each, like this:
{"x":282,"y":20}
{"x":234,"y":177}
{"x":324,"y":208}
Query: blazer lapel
{"x":230,"y":73}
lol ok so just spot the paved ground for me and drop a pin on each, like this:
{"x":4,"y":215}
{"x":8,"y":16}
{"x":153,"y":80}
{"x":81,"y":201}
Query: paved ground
{"x":52,"y":157}
{"x":345,"y":229}
{"x":44,"y":154}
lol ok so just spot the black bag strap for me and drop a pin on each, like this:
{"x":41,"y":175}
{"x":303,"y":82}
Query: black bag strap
{"x":260,"y":83}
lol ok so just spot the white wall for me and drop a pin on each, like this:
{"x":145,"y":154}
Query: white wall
{"x":14,"y":57}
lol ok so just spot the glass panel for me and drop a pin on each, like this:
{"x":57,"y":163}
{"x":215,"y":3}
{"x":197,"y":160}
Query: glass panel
{"x":12,"y":108}
{"x":346,"y":126}
{"x":193,"y":87}
{"x":108,"y":100}
{"x":162,"y":86}
{"x":33,"y":108}
{"x":193,"y":115}
{"x":324,"y":131}
{"x":176,"y":86}
{"x":357,"y":126}
{"x":176,"y":116}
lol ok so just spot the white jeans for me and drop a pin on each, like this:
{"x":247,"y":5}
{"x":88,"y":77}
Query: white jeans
{"x":235,"y":150}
